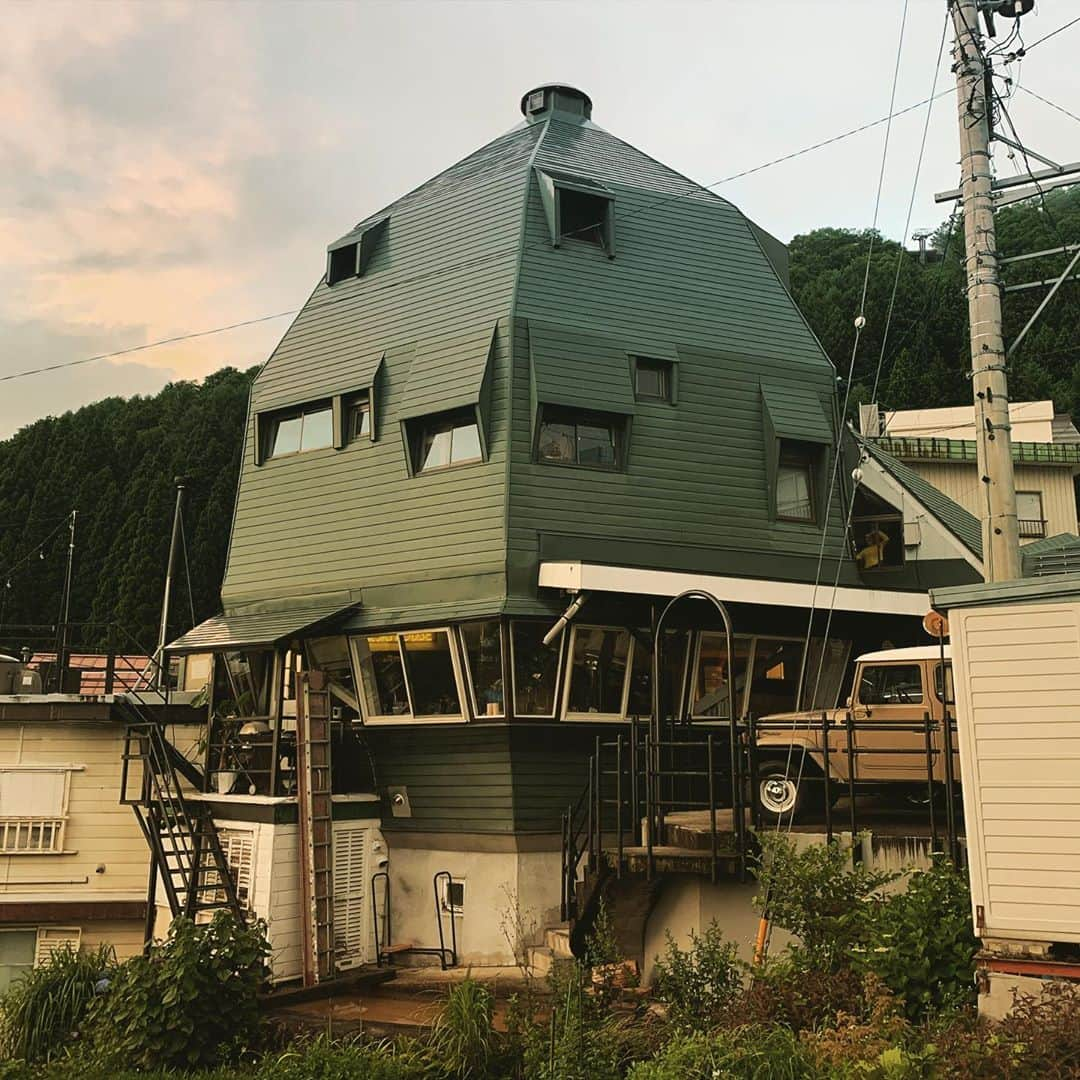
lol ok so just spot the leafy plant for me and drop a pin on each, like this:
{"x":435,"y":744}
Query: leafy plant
{"x":43,"y":1010}
{"x":325,"y":1059}
{"x":700,"y":981}
{"x":921,"y":944}
{"x":190,"y":1003}
{"x":463,"y":1041}
{"x":818,"y":893}
{"x":753,"y":1053}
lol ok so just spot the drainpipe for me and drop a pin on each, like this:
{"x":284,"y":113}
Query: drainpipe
{"x":560,"y":623}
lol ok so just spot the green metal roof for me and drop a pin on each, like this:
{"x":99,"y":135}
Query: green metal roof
{"x":263,"y":628}
{"x":796,"y":412}
{"x":964,"y":525}
{"x":1058,"y":587}
{"x":571,"y":367}
{"x":448,"y":373}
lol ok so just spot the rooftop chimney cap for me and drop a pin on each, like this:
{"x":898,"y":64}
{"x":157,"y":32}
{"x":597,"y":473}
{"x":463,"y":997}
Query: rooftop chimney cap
{"x":551,"y":96}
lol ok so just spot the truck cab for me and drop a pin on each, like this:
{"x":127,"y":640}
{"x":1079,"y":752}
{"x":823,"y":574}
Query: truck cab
{"x":879,"y":736}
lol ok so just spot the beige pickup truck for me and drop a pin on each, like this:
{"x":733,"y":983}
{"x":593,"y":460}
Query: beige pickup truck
{"x":895,"y":686}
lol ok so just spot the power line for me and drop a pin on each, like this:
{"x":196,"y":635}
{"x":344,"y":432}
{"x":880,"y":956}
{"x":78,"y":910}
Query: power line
{"x":1047,"y":101}
{"x":148,"y":345}
{"x":1047,"y":37}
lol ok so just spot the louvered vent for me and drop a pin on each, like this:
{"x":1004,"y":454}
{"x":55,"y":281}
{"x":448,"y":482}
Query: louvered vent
{"x":352,"y":919}
{"x":239,"y":848}
{"x":51,"y":938}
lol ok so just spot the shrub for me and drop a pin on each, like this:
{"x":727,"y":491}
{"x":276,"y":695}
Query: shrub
{"x":463,"y":1041}
{"x":351,"y":1059}
{"x":43,"y":1009}
{"x":920,"y":942}
{"x":817,"y":893}
{"x":701,"y":981}
{"x":190,"y":1003}
{"x":753,"y":1053}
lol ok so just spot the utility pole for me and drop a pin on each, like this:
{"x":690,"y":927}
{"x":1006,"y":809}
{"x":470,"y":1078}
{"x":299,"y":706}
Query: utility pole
{"x":1001,"y":545}
{"x":163,"y":631}
{"x":62,"y":648}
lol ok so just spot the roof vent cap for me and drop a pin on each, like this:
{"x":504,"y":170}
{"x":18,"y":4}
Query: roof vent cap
{"x":568,"y":101}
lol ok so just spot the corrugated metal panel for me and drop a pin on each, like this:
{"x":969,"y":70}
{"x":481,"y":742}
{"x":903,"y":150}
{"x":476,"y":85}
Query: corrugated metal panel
{"x":796,"y":412}
{"x":224,"y":631}
{"x":582,"y":370}
{"x":448,"y":373}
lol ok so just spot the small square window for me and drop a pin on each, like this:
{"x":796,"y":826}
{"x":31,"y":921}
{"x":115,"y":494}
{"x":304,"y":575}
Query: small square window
{"x":583,"y":217}
{"x":452,"y":896}
{"x":445,"y":440}
{"x":795,"y":485}
{"x":358,"y":420}
{"x":569,"y":437}
{"x":652,"y":379}
{"x":342,"y":264}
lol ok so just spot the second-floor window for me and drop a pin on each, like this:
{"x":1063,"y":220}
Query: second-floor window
{"x":444,"y":440}
{"x":33,"y":810}
{"x":572,"y":437}
{"x":307,"y":428}
{"x":1029,"y":514}
{"x":795,"y":484}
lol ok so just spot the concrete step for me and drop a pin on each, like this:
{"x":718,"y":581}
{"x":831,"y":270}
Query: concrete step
{"x":557,"y":939}
{"x":543,"y":961}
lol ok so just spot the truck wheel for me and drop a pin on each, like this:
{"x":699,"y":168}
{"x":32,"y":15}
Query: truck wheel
{"x":779,"y":794}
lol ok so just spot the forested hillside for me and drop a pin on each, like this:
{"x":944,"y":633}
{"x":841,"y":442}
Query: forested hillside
{"x":114,"y":461}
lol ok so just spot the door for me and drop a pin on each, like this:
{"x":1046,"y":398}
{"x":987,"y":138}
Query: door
{"x":885,"y":694}
{"x":352,"y":885}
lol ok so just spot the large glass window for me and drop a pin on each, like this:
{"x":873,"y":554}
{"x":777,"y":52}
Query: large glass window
{"x":598,"y":671}
{"x":310,"y":428}
{"x":483,"y":651}
{"x":673,"y":661}
{"x":710,"y":696}
{"x":571,"y":437}
{"x":450,"y":438}
{"x":536,"y":669}
{"x":774,"y":679}
{"x":411,"y":675}
{"x":891,"y":684}
{"x":826,"y":670}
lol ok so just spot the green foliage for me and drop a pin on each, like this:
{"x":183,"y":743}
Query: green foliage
{"x":921,"y":944}
{"x":42,"y":1010}
{"x":925,"y":358}
{"x":818,"y":893}
{"x":190,"y":1003}
{"x":114,"y":461}
{"x":463,"y":1043}
{"x":701,"y":981}
{"x":753,"y":1053}
{"x":351,"y":1059}
{"x":794,"y":991}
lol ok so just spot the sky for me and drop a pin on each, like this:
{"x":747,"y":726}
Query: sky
{"x":172,"y":168}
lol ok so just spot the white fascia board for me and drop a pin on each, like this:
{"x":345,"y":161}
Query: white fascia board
{"x":593,"y":577}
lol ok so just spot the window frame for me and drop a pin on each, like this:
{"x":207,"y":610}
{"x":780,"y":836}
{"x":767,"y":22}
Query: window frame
{"x":1041,"y":519}
{"x":669,"y":374}
{"x":410,"y":718}
{"x":446,"y":902}
{"x":331,"y":279}
{"x":792,"y":452}
{"x":556,"y":699}
{"x":606,"y":227}
{"x":600,"y":718}
{"x":55,"y":823}
{"x":619,"y":424}
{"x":474,"y":704}
{"x":270,"y":421}
{"x":353,"y":405}
{"x":414,"y":435}
{"x":924,"y":692}
{"x":742,"y":698}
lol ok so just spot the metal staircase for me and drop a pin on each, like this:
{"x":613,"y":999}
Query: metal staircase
{"x":183,"y":840}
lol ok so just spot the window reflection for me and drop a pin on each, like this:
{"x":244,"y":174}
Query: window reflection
{"x":430,"y":668}
{"x":673,"y":660}
{"x":382,"y":675}
{"x":774,"y":683}
{"x":599,"y":669}
{"x":710,"y":696}
{"x":536,"y":669}
{"x":483,"y":649}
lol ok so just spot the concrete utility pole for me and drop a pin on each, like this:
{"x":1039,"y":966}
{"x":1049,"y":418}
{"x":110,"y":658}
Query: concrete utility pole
{"x":163,"y":631}
{"x":1001,"y":546}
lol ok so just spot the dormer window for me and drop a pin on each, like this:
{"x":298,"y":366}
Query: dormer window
{"x":299,"y":430}
{"x":343,"y":263}
{"x":578,"y":209}
{"x":795,"y":483}
{"x":445,"y":440}
{"x":583,"y":217}
{"x":653,"y":379}
{"x":358,"y":419}
{"x":350,"y":256}
{"x":575,"y":437}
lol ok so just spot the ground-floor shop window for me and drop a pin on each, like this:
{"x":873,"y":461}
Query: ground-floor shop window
{"x":483,"y":655}
{"x":536,"y":669}
{"x":409,"y":675}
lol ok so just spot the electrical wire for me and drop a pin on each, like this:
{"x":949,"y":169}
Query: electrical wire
{"x":1047,"y":101}
{"x":1053,"y":33}
{"x":33,"y":550}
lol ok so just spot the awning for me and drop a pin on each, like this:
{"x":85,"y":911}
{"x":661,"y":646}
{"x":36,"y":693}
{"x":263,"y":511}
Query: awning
{"x":248,"y":630}
{"x":449,"y":373}
{"x":796,"y":412}
{"x":580,"y":370}
{"x":594,"y":577}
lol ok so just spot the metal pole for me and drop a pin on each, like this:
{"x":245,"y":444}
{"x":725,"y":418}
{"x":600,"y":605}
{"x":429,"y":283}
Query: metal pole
{"x":930,"y":778}
{"x":828,"y":775}
{"x":62,"y":651}
{"x":989,"y":384}
{"x":163,"y":630}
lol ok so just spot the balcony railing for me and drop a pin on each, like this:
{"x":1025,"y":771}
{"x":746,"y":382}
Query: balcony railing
{"x":1031,"y":528}
{"x":935,"y":449}
{"x":32,"y":836}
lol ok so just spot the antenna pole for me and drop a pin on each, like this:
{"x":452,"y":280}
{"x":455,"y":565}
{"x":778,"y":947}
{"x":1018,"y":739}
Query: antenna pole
{"x":62,"y":650}
{"x":163,"y":631}
{"x":1001,"y":545}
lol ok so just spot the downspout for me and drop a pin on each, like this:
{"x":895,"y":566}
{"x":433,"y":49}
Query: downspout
{"x":560,"y":623}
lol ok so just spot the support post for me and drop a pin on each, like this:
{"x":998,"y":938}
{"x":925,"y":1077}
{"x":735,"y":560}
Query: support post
{"x":163,"y":629}
{"x":1001,"y":550}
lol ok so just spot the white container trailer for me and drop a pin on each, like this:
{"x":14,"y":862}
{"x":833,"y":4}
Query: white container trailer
{"x":1016,"y":667}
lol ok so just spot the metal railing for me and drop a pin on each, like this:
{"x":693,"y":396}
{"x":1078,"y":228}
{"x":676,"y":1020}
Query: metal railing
{"x":931,"y":448}
{"x":385,"y":951}
{"x":1031,"y":528}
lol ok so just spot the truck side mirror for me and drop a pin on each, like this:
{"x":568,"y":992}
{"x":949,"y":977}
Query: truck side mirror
{"x":848,"y":702}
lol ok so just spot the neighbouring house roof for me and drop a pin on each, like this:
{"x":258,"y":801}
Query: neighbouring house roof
{"x":1052,"y":555}
{"x":1058,"y":587}
{"x":130,"y":671}
{"x":963,"y":524}
{"x":263,"y":628}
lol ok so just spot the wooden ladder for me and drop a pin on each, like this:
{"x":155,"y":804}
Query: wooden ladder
{"x":316,"y":825}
